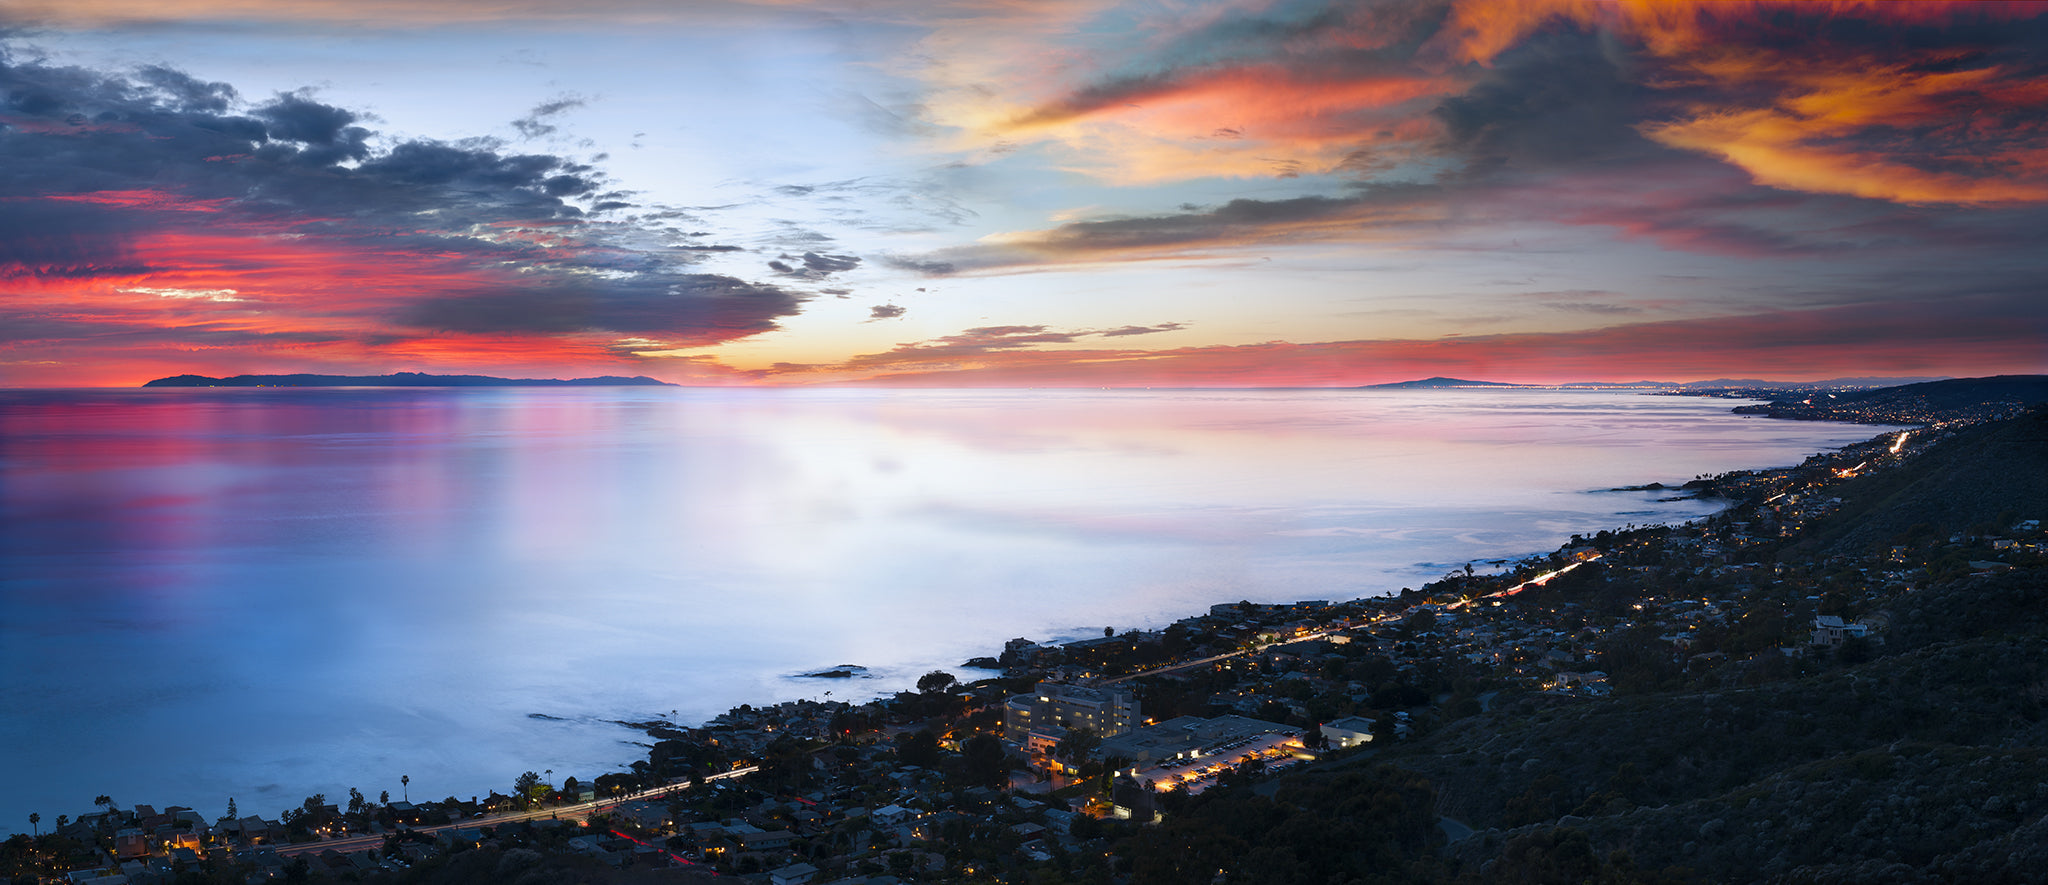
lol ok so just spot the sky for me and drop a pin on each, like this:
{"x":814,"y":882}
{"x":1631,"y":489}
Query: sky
{"x":1022,"y":192}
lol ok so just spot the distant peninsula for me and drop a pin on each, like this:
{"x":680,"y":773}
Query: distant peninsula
{"x":401,"y":379}
{"x":1433,"y":383}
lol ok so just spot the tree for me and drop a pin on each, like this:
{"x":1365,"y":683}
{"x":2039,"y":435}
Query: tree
{"x":988,"y":764}
{"x":104,"y":800}
{"x":383,"y":797}
{"x":936,"y":680}
{"x":919,"y":748}
{"x":1078,"y":746}
{"x":35,"y":818}
{"x":355,"y":801}
{"x":405,"y":786}
{"x":232,"y":813}
{"x":1108,"y":632}
{"x":615,"y":783}
{"x":524,"y":786}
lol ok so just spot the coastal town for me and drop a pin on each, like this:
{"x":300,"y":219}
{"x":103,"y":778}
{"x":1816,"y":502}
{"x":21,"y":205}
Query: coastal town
{"x":1057,"y":762}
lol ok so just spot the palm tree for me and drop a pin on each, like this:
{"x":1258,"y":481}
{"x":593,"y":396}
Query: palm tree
{"x":405,"y":784}
{"x":35,"y":818}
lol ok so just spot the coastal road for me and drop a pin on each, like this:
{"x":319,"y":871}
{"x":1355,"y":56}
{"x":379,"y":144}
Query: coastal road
{"x":578,"y":811}
{"x":1228,"y":655}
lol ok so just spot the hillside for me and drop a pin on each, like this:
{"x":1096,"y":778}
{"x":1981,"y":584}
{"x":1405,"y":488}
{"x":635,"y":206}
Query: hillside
{"x":1986,"y":475}
{"x":1919,"y":755}
{"x":1954,"y":399}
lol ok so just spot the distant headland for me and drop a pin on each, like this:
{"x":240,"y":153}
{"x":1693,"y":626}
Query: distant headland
{"x":1438,"y":382}
{"x":401,"y":379}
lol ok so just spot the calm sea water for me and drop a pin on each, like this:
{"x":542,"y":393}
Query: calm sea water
{"x":262,"y":594}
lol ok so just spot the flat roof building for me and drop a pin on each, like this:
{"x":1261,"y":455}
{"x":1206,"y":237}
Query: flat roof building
{"x":1189,"y":737}
{"x":1106,"y":711}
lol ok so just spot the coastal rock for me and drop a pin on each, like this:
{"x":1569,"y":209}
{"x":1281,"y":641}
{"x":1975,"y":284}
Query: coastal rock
{"x":843,"y":671}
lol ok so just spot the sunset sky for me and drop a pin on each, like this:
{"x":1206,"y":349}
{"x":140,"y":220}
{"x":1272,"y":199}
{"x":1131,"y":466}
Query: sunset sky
{"x":1022,"y":192}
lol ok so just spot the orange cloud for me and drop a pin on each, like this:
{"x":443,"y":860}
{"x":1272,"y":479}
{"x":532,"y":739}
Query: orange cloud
{"x":1800,"y":109}
{"x":1250,"y":121}
{"x":1480,"y":30}
{"x":1266,"y":101}
{"x":1889,"y":132}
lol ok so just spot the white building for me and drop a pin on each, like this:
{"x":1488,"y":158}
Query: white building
{"x":1348,"y":732}
{"x":1830,"y":631}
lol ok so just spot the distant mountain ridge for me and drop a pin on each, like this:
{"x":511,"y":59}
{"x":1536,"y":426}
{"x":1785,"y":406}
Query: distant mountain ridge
{"x":401,"y":379}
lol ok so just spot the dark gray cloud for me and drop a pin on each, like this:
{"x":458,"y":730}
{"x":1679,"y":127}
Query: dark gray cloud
{"x":325,"y":135}
{"x":886,"y":312}
{"x":974,"y":342}
{"x":535,"y":124}
{"x":183,"y":90}
{"x":926,"y":266}
{"x":1556,"y":100}
{"x":1592,"y":307}
{"x":57,"y":240}
{"x":1126,"y":331}
{"x":93,"y":163}
{"x":686,"y":308}
{"x":1316,"y":40}
{"x":812,"y":265}
{"x":987,"y":340}
{"x":829,"y":263}
{"x":1237,"y":223}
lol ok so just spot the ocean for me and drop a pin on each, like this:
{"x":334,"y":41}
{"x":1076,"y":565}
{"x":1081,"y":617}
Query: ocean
{"x":267,"y":593}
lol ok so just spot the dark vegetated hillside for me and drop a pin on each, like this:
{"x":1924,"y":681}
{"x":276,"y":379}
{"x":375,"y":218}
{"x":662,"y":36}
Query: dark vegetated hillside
{"x":1927,"y":760}
{"x":1957,"y":393}
{"x":1951,"y":399}
{"x":1358,"y":825}
{"x":1543,"y":759}
{"x":1984,"y":477}
{"x":1920,"y":757}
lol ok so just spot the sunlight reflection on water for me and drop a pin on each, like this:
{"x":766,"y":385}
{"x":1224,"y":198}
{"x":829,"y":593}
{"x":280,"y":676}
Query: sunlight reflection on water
{"x":292,"y":591}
